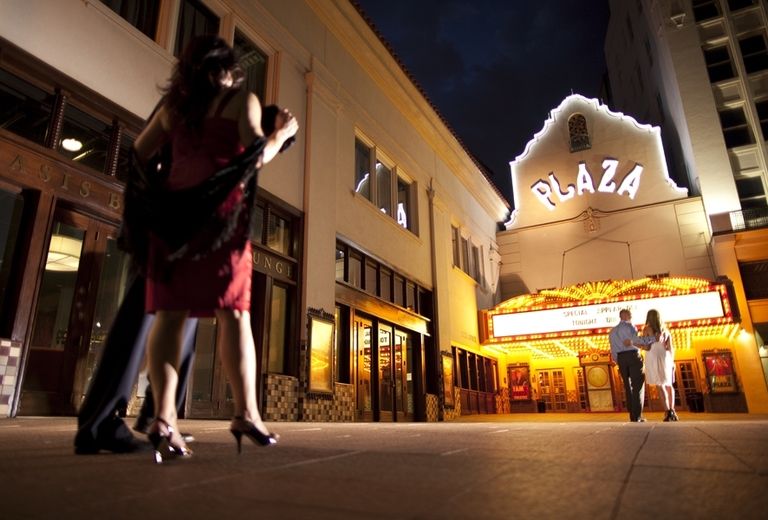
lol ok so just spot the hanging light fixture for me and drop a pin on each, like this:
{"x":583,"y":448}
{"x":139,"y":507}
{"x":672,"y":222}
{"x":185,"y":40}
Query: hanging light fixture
{"x":63,"y":253}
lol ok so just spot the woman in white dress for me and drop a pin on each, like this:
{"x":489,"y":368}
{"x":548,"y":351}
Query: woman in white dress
{"x":660,"y":362}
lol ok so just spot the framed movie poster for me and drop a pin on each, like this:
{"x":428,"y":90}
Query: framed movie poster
{"x":720,"y":376}
{"x":519,"y":382}
{"x":321,"y":339}
{"x":447,"y":362}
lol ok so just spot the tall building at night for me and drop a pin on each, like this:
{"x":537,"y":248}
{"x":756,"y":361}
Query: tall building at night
{"x":699,"y":70}
{"x":374,"y":236}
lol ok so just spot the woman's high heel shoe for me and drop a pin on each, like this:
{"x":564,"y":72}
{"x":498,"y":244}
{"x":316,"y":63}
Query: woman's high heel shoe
{"x":240,"y":427}
{"x":160,"y":435}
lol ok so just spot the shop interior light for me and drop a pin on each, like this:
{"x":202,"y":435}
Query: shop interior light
{"x":71,"y":145}
{"x":63,"y":254}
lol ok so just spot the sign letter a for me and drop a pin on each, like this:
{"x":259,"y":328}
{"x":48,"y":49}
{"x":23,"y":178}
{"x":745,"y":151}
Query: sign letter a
{"x":631,"y":182}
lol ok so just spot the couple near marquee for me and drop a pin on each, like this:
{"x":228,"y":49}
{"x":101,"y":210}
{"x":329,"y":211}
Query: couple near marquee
{"x":659,"y":366}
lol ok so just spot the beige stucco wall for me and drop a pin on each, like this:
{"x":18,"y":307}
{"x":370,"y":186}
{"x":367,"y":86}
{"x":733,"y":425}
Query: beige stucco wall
{"x":331,"y":70}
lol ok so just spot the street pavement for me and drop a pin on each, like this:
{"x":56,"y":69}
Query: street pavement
{"x":594,"y":466}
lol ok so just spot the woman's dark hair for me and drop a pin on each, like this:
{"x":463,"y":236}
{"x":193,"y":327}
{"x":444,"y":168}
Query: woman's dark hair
{"x":653,"y":320}
{"x":195,"y":79}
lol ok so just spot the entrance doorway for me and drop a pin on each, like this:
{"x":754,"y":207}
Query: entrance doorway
{"x":383,"y":371}
{"x":81,"y":289}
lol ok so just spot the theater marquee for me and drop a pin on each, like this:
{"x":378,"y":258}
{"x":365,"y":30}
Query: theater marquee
{"x":680,"y":306}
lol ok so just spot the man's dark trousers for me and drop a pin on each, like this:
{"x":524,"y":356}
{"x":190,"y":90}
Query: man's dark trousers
{"x":99,"y":426}
{"x":632,"y":373}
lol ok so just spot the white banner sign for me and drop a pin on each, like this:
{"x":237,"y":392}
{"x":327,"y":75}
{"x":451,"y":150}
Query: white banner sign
{"x":605,"y":315}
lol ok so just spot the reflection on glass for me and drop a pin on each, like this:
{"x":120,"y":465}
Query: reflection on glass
{"x":385,"y":369}
{"x":11,"y":207}
{"x":205,"y":356}
{"x":124,"y":157}
{"x":279,"y":234}
{"x":278,"y":328}
{"x":362,"y":169}
{"x":253,"y":63}
{"x":257,"y":230}
{"x":54,"y":303}
{"x":340,"y":254}
{"x":25,"y":109}
{"x":386,"y":284}
{"x":355,"y":270}
{"x":363,"y":348}
{"x":403,"y":203}
{"x":384,"y":185}
{"x":195,"y":19}
{"x":400,"y":345}
{"x":112,"y":286}
{"x":140,"y":14}
{"x":321,"y":343}
{"x":84,"y":138}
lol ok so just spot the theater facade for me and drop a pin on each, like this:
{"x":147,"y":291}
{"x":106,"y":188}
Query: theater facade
{"x":599,"y":226}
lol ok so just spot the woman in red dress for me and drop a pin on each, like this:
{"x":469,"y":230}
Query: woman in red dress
{"x":208,"y":120}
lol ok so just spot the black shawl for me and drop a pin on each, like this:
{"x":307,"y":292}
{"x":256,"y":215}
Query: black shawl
{"x":186,"y":220}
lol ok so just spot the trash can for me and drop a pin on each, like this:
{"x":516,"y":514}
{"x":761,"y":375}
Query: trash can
{"x":695,"y":401}
{"x":541,"y":406}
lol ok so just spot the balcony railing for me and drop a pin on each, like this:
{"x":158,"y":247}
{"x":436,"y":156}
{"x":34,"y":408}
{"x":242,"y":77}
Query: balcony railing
{"x":753,"y":218}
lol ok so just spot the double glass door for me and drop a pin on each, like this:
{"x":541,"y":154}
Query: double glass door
{"x":83,"y":282}
{"x":384,"y":382}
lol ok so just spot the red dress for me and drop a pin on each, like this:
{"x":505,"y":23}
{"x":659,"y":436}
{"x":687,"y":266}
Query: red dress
{"x":222,"y":278}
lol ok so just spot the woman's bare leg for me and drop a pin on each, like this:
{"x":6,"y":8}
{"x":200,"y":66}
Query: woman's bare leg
{"x":163,"y":348}
{"x":669,"y":391}
{"x":238,"y":355}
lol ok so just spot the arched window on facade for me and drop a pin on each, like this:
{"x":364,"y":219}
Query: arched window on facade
{"x":577,"y":130}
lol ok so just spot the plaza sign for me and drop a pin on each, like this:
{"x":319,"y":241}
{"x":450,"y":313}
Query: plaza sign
{"x":544,"y":190}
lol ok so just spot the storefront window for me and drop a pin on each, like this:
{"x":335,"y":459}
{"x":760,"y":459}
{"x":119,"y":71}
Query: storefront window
{"x":371,"y":282}
{"x":11,"y":208}
{"x":384,"y":187}
{"x":195,"y":19}
{"x":253,"y":62}
{"x":25,"y":109}
{"x":363,"y":169}
{"x":403,"y":216}
{"x":340,"y":256}
{"x":278,"y":329}
{"x":279,"y":237}
{"x":84,"y":139}
{"x":355,"y":270}
{"x":124,"y":157}
{"x":112,"y":287}
{"x":57,"y":290}
{"x":385,"y":284}
{"x":142,"y":14}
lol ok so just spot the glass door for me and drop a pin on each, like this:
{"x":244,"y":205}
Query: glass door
{"x":361,"y":336}
{"x":552,"y":389}
{"x":80,"y":290}
{"x":386,"y":383}
{"x":403,"y":365}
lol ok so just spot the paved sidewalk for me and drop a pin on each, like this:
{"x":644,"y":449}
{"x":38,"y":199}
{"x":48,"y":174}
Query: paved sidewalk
{"x":484,"y":467}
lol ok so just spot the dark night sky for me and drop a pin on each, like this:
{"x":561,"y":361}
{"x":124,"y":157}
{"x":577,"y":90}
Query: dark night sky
{"x":495,"y":68}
